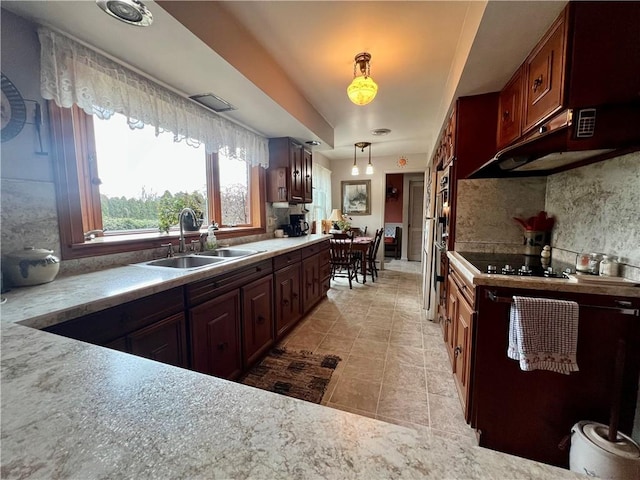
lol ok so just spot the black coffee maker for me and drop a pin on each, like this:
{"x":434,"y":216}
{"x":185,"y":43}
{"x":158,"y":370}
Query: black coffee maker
{"x":297,"y":225}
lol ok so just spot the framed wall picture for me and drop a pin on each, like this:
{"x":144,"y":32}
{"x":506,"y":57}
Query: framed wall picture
{"x":356,"y":197}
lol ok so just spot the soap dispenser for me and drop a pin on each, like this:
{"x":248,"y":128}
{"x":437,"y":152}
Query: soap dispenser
{"x":212,"y":241}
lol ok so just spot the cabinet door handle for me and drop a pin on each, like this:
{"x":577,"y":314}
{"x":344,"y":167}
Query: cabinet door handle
{"x":536,"y":83}
{"x":294,"y":295}
{"x":505,"y":115}
{"x":223,"y":345}
{"x":261,"y":319}
{"x":285,"y":302}
{"x":457,"y":351}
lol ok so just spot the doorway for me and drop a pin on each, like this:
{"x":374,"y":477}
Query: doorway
{"x":415,"y":216}
{"x":404,"y":215}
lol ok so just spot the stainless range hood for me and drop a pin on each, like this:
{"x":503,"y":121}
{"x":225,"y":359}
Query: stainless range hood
{"x":570,"y":139}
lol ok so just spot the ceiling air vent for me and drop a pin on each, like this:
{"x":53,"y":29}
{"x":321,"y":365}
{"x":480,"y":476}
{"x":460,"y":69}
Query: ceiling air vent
{"x":213,"y":102}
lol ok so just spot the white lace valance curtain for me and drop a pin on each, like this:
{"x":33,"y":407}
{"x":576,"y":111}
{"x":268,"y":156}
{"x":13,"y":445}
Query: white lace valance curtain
{"x":72,"y":73}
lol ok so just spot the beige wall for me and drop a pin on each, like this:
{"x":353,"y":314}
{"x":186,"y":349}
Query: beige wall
{"x":341,"y":171}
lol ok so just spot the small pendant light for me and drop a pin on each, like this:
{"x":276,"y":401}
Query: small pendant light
{"x":354,"y":170}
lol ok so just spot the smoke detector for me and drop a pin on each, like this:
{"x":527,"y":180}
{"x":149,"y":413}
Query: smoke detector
{"x":379,"y":132}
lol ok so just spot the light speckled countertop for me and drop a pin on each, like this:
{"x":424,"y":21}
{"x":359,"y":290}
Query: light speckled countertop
{"x":476,"y":277}
{"x":74,"y":410}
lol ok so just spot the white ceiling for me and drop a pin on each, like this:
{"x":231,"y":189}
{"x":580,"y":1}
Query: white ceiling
{"x":286,"y":64}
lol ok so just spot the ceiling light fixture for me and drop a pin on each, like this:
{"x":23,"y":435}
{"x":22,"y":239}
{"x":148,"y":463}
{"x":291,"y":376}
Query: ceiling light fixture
{"x":132,"y":12}
{"x":362,"y":89}
{"x":355,"y":171}
{"x":313,"y":143}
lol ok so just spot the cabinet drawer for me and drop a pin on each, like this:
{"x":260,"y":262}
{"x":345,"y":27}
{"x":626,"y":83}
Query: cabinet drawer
{"x":106,"y":326}
{"x":466,"y":290}
{"x":206,"y":289}
{"x":324,"y":258}
{"x":325,"y":271}
{"x":316,"y":248}
{"x":286,"y":259}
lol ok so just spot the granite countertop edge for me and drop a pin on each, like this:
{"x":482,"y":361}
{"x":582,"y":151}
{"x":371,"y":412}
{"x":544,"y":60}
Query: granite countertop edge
{"x":73,"y":296}
{"x":475,"y":277}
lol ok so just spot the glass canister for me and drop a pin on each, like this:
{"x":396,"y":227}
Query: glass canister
{"x":582,"y":262}
{"x":609,"y":266}
{"x":594,"y":263}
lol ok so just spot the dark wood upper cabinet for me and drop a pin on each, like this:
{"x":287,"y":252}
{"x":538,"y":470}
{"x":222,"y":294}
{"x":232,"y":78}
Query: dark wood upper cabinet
{"x":510,"y":111}
{"x":545,"y":71}
{"x":290,"y":176}
{"x":589,"y":57}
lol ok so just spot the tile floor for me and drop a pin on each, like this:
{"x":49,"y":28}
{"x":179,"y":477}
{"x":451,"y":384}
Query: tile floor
{"x":394,"y":364}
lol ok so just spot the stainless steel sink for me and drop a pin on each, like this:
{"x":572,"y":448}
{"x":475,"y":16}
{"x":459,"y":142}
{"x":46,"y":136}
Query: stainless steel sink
{"x":229,"y":252}
{"x":186,"y":262}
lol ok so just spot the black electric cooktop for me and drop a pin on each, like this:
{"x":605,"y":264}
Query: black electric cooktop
{"x":515,"y":264}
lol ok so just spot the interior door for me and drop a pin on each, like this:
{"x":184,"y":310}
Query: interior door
{"x":416,"y":216}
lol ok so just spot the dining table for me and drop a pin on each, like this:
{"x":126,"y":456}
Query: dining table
{"x":361,"y":244}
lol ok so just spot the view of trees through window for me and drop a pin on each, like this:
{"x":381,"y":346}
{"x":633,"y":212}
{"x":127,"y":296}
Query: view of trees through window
{"x":142,"y":176}
{"x":234,"y":189}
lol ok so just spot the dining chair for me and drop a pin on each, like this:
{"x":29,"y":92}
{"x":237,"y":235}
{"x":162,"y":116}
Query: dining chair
{"x":372,"y":254}
{"x":342,"y":259}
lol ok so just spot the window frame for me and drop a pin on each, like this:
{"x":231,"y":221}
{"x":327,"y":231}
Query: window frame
{"x":78,"y":195}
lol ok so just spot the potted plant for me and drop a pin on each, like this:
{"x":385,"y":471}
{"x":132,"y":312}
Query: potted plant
{"x":171,"y":205}
{"x":344,"y":224}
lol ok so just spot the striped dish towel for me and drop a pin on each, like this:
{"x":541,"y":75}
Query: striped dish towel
{"x":543,"y":334}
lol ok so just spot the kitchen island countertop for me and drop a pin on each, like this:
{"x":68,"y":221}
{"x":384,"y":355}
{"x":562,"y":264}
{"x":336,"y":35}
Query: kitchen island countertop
{"x":74,"y":410}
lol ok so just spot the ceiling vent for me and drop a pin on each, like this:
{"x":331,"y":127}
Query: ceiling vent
{"x":213,"y":102}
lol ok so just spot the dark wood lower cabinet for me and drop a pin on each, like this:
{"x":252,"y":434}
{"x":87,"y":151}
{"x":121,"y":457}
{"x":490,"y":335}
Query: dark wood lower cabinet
{"x":219,"y":326}
{"x":316,"y":276}
{"x":214,"y":327}
{"x":164,"y":341}
{"x":287,"y":299}
{"x":530,"y":413}
{"x":257,"y":319}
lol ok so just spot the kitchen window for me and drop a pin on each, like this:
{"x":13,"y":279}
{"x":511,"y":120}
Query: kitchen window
{"x":111,"y":178}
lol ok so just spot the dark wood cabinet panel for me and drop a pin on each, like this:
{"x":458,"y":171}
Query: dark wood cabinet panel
{"x":288,"y":306}
{"x":462,"y":353}
{"x":215,"y":336}
{"x":316,"y":274}
{"x":510,"y":111}
{"x":450,"y":318}
{"x":458,"y":333}
{"x":290,"y":176}
{"x":310,"y":282}
{"x":545,"y":69}
{"x":544,"y":405}
{"x":164,"y":341}
{"x":109,"y":325}
{"x":199,"y":292}
{"x":258,"y":333}
{"x":307,"y":177}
